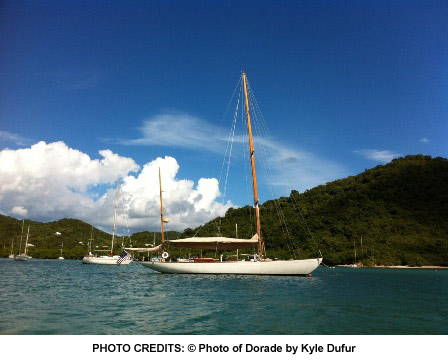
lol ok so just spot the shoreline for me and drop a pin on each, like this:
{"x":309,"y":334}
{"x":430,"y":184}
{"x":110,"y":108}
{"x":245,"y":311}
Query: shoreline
{"x":427,"y":267}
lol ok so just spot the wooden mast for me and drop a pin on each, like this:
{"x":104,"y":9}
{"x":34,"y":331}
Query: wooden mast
{"x":90,"y":241}
{"x":254,"y":174}
{"x":162,"y":219}
{"x":26,"y":243}
{"x":21,"y":236}
{"x":12,"y":247}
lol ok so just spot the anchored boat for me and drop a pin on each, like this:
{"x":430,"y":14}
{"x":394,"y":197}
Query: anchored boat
{"x":11,"y":254}
{"x":24,"y":256}
{"x":61,"y":257}
{"x":256,"y":264}
{"x":110,"y":259}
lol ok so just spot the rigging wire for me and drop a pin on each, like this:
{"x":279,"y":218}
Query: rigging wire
{"x":268,"y":137}
{"x":220,"y":127}
{"x":267,"y":170}
{"x":126,"y":216}
{"x":296,"y":206}
{"x":295,"y":203}
{"x":231,"y":147}
{"x":229,"y":140}
{"x":227,"y":147}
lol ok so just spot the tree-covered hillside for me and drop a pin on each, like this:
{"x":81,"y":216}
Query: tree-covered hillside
{"x":74,"y":234}
{"x":399,"y":210}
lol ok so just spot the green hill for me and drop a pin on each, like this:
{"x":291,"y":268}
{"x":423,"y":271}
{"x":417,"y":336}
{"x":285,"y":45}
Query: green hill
{"x":74,"y":234}
{"x":400,"y":210}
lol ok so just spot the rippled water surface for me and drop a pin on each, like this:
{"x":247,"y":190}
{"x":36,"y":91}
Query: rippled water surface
{"x":67,"y":297}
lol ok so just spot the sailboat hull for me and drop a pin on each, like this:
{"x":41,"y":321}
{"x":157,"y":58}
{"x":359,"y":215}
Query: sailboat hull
{"x":22,"y":257}
{"x":104,"y":260}
{"x":280,"y":267}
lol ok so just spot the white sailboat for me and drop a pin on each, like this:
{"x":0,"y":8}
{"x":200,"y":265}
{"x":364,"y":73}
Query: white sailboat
{"x":110,"y":259}
{"x":355,"y":265}
{"x":24,"y":256}
{"x":256,"y":264}
{"x":11,"y":254}
{"x":20,"y":244}
{"x":61,"y":257}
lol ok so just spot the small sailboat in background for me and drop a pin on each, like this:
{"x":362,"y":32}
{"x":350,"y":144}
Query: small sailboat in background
{"x":89,"y":245}
{"x":110,"y":259}
{"x":61,"y":257}
{"x":24,"y":256}
{"x":355,"y":265}
{"x":354,"y":244}
{"x":21,"y":238}
{"x":11,"y":254}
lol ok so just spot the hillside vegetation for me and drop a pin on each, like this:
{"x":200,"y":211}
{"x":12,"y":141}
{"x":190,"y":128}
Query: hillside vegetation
{"x":399,"y":210}
{"x":75,"y":235}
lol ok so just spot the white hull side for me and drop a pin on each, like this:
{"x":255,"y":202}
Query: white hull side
{"x":104,"y":260}
{"x":22,"y":257}
{"x":280,"y":267}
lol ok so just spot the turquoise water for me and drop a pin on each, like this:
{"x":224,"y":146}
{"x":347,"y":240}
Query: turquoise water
{"x":67,"y":297}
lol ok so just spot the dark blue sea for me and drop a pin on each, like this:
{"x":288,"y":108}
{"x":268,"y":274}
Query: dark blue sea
{"x":67,"y":297}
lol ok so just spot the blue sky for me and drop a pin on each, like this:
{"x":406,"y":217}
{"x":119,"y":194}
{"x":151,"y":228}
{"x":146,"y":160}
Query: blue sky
{"x":343,"y":86}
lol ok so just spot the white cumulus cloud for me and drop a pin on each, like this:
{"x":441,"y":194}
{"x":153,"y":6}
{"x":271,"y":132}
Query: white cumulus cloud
{"x":185,"y":205}
{"x":19,"y":211}
{"x":51,"y":181}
